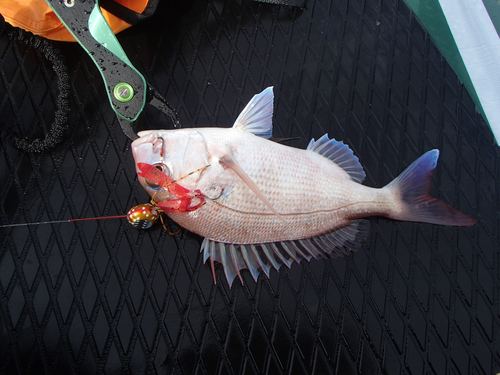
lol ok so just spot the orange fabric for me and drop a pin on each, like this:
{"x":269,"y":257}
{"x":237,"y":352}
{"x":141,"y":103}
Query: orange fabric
{"x":36,"y":16}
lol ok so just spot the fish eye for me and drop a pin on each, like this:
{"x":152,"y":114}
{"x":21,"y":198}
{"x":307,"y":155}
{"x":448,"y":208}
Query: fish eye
{"x":162,"y":168}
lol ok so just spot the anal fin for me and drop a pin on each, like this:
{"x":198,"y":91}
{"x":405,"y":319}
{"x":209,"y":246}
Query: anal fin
{"x":263,"y":257}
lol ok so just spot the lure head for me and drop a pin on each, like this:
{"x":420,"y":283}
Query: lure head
{"x":143,"y":216}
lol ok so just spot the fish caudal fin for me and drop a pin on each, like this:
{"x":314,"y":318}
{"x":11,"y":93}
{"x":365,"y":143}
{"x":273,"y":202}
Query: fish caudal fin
{"x":414,"y":203}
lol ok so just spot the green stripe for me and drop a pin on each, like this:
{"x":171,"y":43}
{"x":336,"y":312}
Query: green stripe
{"x":431,"y":15}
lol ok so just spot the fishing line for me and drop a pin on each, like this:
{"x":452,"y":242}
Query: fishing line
{"x":142,"y":216}
{"x":63,"y":221}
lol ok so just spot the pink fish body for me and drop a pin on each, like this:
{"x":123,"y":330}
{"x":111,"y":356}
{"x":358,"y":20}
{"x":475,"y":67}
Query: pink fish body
{"x":267,"y":204}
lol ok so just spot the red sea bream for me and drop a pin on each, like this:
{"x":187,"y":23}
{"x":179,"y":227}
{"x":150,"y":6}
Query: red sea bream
{"x":267,"y":204}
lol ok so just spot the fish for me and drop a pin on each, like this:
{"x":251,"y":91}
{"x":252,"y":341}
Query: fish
{"x":260,"y":204}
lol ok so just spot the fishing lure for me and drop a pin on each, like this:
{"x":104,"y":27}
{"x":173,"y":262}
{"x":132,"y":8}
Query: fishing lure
{"x":144,"y":216}
{"x":180,"y":199}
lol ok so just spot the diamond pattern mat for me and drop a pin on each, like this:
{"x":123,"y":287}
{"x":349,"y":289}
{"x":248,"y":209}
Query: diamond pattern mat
{"x":102,"y":297}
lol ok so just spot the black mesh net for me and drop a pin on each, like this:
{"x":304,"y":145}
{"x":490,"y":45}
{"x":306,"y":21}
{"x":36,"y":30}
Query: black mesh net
{"x":103,"y":297}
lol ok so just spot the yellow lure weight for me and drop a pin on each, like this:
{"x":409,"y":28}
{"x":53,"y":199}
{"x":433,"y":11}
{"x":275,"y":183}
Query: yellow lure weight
{"x":143,"y":216}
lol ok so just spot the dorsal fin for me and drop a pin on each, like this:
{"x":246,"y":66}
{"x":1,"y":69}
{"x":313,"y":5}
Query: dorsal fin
{"x":340,"y":154}
{"x":257,"y":116}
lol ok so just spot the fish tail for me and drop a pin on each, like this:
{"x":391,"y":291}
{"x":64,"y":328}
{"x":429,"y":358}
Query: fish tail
{"x":413,"y":202}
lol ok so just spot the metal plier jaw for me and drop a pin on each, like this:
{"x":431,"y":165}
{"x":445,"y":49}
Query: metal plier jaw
{"x":127,"y":89}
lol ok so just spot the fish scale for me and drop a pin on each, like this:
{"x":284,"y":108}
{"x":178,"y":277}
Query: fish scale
{"x":225,"y":225}
{"x":319,"y":199}
{"x":303,"y":180}
{"x":267,"y":204}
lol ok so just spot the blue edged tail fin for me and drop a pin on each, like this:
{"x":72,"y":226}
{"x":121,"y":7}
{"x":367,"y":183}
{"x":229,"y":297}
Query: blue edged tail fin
{"x":414,"y":203}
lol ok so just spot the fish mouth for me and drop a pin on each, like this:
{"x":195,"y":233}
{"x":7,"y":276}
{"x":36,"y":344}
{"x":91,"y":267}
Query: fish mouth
{"x":147,"y":149}
{"x":144,"y":133}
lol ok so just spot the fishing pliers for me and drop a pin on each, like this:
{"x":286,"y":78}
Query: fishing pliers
{"x":127,"y":90}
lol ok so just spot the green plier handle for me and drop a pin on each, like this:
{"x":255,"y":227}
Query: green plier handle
{"x":126,"y":87}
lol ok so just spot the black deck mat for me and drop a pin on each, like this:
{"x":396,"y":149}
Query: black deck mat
{"x":103,"y":297}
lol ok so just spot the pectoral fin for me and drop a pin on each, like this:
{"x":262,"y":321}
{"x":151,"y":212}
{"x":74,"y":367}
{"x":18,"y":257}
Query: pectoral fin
{"x":229,"y":162}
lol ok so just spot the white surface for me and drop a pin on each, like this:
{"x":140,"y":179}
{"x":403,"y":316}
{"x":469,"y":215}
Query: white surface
{"x":479,"y":45}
